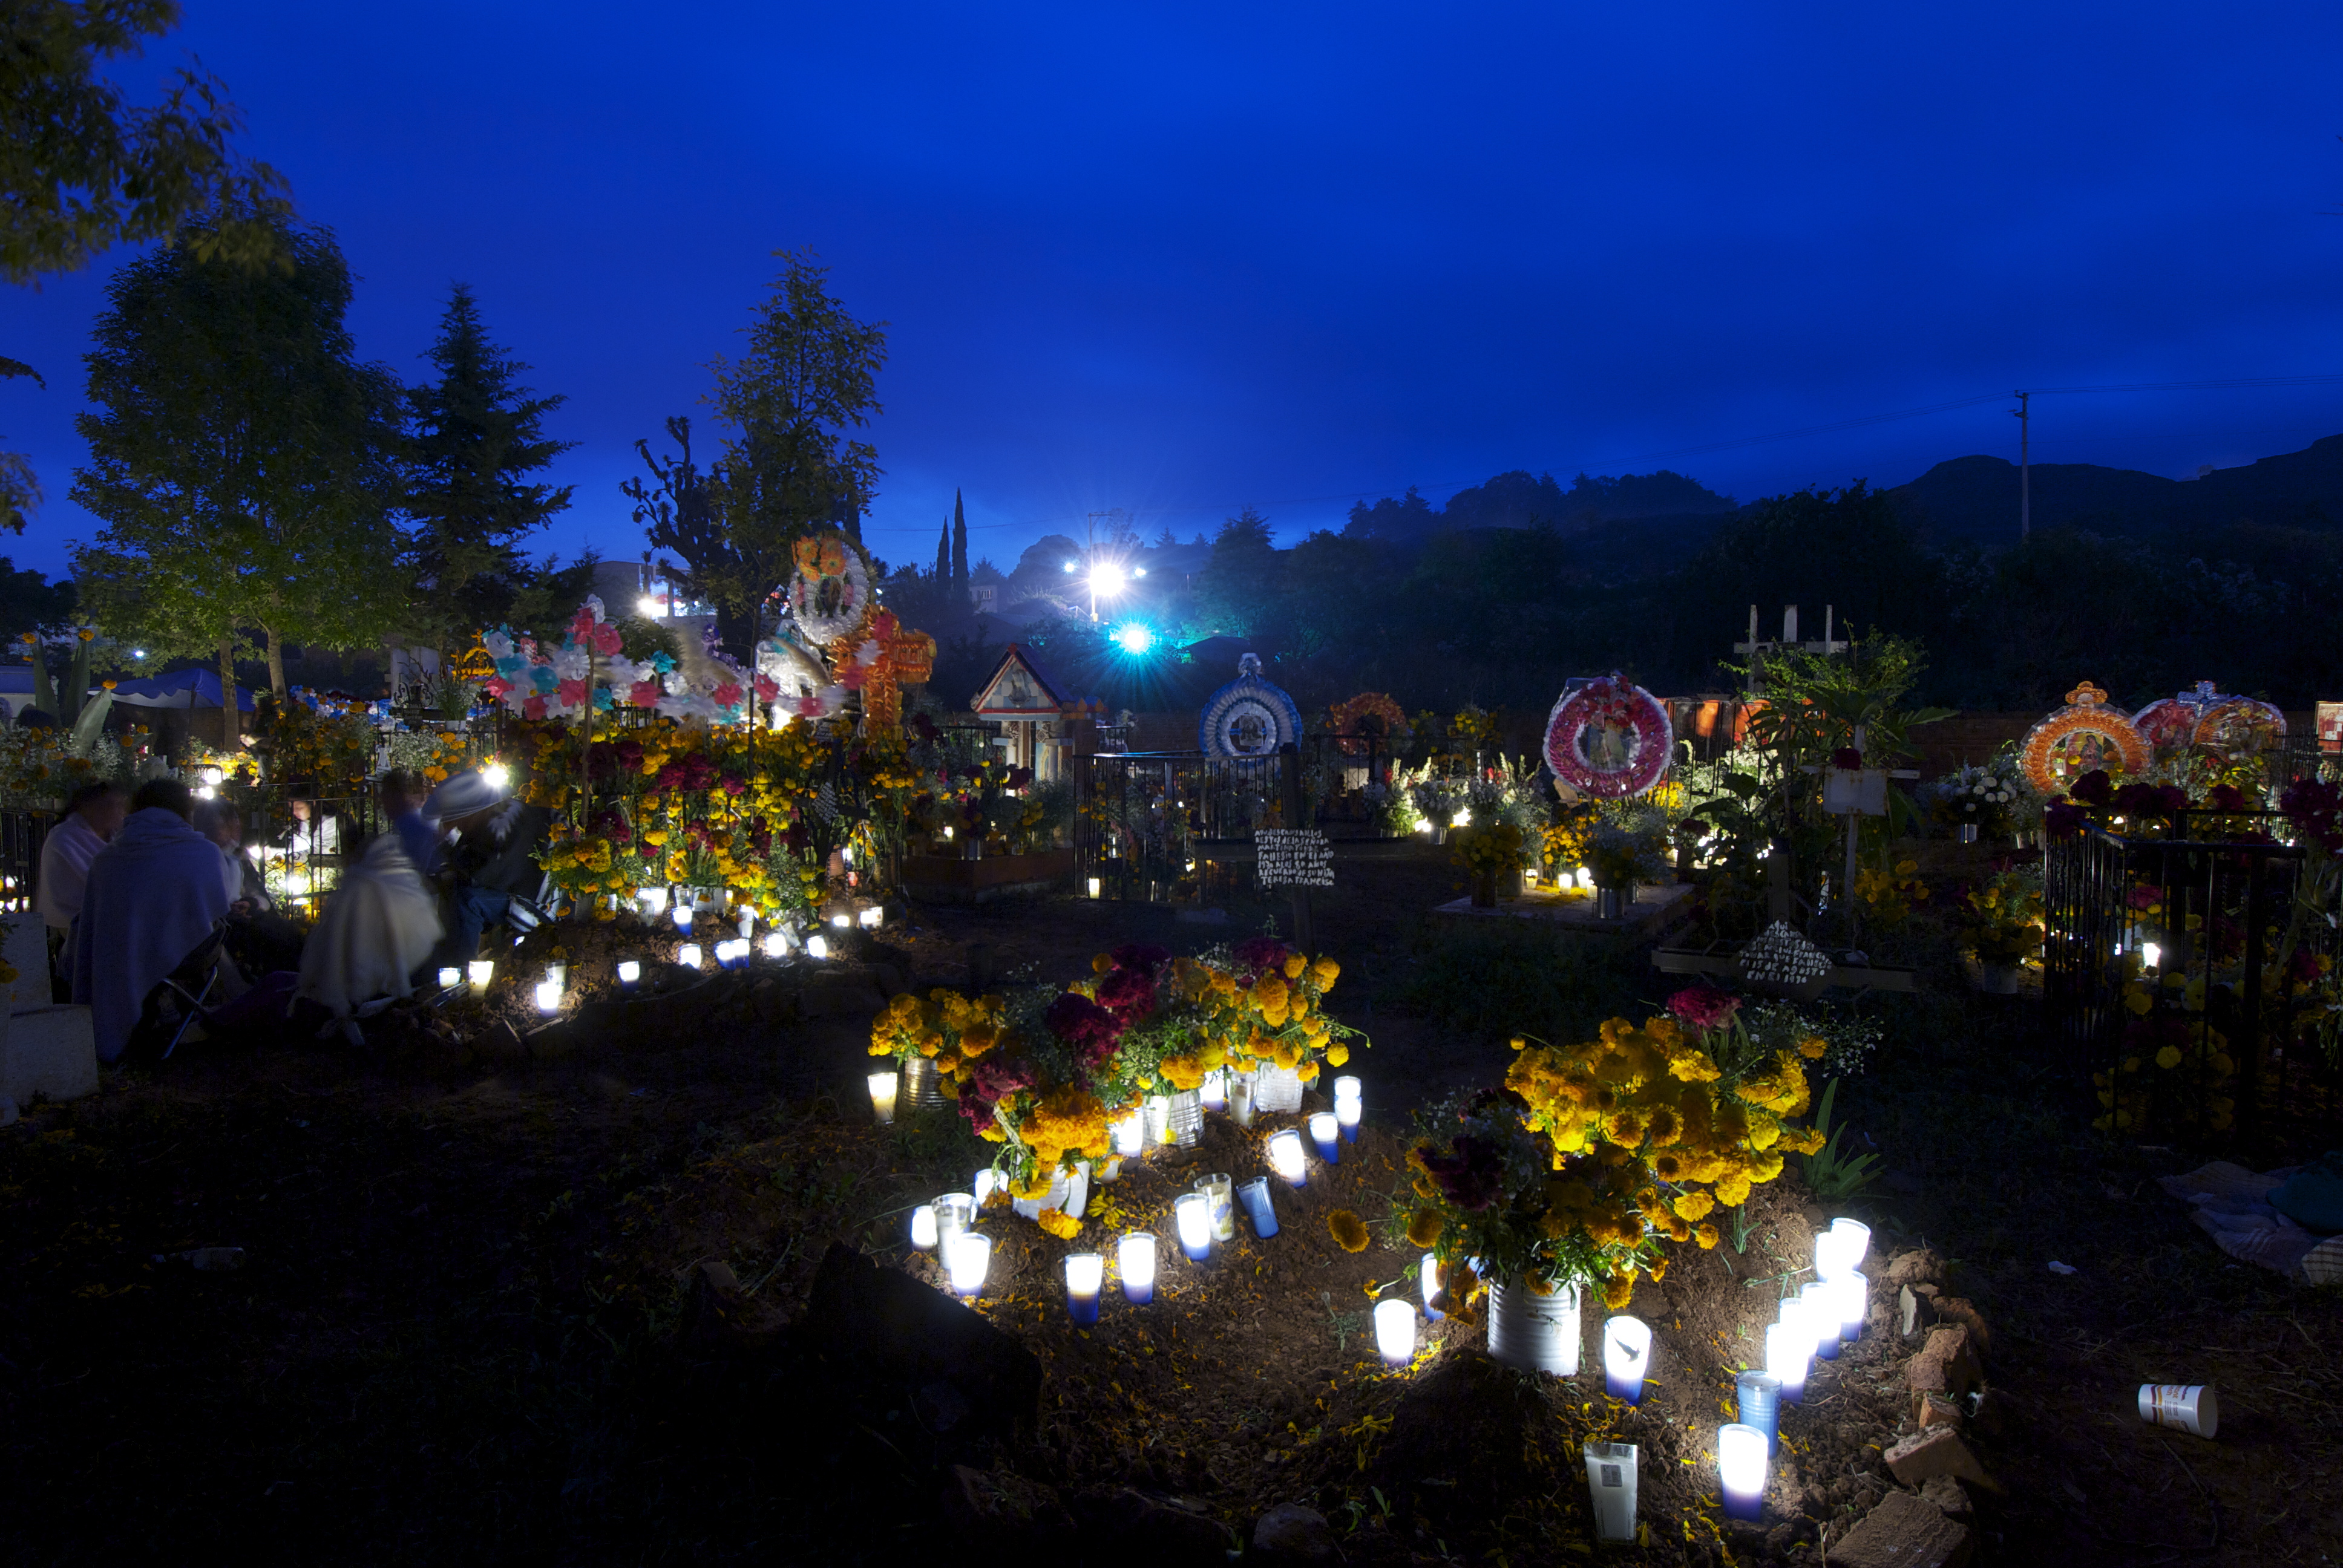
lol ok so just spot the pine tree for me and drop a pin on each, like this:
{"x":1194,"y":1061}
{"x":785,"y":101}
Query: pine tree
{"x":943,"y":553}
{"x":473,"y":435}
{"x":960,"y":548}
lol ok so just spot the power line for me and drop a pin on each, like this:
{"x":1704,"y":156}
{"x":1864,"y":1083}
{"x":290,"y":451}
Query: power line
{"x":1858,"y":422}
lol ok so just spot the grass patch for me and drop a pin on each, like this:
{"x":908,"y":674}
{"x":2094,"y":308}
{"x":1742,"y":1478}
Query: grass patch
{"x":1491,"y":978}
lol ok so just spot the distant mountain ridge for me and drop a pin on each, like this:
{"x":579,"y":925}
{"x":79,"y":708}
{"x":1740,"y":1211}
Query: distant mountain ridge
{"x":1516,"y":500}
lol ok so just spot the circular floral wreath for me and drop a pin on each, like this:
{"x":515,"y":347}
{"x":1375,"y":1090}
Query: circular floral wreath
{"x":1612,"y":702}
{"x":1248,"y":716}
{"x":1346,"y":717}
{"x":2167,"y":722}
{"x":830,"y":595}
{"x":2085,"y":717}
{"x":2240,"y":724}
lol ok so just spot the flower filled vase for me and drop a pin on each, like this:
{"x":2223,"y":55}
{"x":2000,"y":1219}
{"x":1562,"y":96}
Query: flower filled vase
{"x":1998,"y":980}
{"x":1613,"y":903}
{"x":1533,"y":1332}
{"x":1184,"y":1119}
{"x":1277,"y":1090}
{"x":920,"y":1085}
{"x":1484,"y":890}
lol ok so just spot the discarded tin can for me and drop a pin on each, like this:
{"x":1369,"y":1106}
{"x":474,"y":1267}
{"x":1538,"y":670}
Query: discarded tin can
{"x":2192,"y":1407}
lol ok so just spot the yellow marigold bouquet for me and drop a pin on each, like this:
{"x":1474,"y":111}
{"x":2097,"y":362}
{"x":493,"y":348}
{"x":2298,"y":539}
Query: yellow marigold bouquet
{"x":1487,"y":848}
{"x":2006,"y":922}
{"x":1595,"y":1154}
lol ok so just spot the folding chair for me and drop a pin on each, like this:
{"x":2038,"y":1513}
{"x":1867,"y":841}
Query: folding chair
{"x":187,"y":988}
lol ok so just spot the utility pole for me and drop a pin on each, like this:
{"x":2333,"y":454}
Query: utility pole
{"x":2025,"y":471}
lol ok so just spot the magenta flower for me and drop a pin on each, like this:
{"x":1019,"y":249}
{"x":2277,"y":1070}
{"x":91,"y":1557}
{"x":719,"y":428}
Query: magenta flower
{"x":1704,"y":1007}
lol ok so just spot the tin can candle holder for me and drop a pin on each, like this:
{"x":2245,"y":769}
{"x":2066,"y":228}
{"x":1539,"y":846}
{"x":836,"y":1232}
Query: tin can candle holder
{"x":1533,"y":1332}
{"x":1759,"y":1398}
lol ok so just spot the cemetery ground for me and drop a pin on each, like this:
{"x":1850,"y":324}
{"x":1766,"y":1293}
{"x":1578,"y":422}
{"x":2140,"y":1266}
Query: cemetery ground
{"x":582,"y":1307}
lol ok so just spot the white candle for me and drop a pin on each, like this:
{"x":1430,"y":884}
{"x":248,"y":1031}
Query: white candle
{"x":1216,"y":1089}
{"x":688,"y":955}
{"x":450,"y":977}
{"x":817,"y":948}
{"x":1085,"y":1273}
{"x":1741,"y":1469}
{"x":1326,"y":1132}
{"x":1285,"y":1156}
{"x":683,"y":917}
{"x":1136,"y":1252}
{"x":548,"y":997}
{"x":1851,"y":1243}
{"x":967,"y":1258}
{"x":1194,"y":1213}
{"x":1094,"y":887}
{"x":776,"y":944}
{"x":1131,"y":1135}
{"x":1627,"y":1357}
{"x":631,"y":971}
{"x":481,"y":972}
{"x":924,"y":1227}
{"x":1427,"y":1277}
{"x":1395,"y":1331}
{"x":1851,"y":1292}
{"x":882,"y":1096}
{"x":872,"y":918}
{"x":1788,"y":1349}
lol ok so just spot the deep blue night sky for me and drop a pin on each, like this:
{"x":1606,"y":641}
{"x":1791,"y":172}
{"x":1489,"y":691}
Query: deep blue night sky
{"x":1180,"y":258}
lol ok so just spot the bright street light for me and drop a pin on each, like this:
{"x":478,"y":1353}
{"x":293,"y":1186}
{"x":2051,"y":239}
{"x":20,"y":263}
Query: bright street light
{"x":1135,"y":638}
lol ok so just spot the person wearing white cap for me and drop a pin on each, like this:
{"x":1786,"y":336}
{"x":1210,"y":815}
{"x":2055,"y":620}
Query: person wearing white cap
{"x":491,"y":860}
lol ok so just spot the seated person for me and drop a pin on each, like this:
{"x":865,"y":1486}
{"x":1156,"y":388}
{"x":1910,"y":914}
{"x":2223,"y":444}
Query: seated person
{"x":491,"y":861}
{"x":153,"y":896}
{"x":404,"y":796}
{"x":316,"y":831}
{"x":259,"y":938}
{"x":93,"y":815}
{"x":378,"y":927}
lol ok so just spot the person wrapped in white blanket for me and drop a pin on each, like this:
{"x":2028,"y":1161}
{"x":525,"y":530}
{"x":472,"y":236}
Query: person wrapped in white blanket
{"x":379,"y":924}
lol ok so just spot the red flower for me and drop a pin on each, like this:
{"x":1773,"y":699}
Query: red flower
{"x":1704,"y":1007}
{"x":727,"y":694}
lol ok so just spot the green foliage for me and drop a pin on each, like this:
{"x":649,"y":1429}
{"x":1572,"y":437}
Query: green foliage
{"x":243,"y":461}
{"x":472,"y":436}
{"x":1238,"y":590}
{"x":30,"y":602}
{"x":1832,"y":1173}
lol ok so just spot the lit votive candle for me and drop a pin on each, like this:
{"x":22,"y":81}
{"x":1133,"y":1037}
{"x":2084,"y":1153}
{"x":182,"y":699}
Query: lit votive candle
{"x":1395,"y":1331}
{"x":1851,"y":1291}
{"x":776,"y":944}
{"x":631,"y":974}
{"x":548,"y":997}
{"x":1216,"y":1089}
{"x":1821,"y":1312}
{"x":480,"y":971}
{"x":558,"y":973}
{"x":842,"y":922}
{"x":1851,"y":1244}
{"x":1427,"y":1282}
{"x":1627,"y":1357}
{"x":967,"y":1256}
{"x":1240,"y":1086}
{"x":1131,"y":1135}
{"x":1258,"y":1210}
{"x":683,"y":917}
{"x":1085,"y":1273}
{"x":871,"y":917}
{"x":1220,"y":1197}
{"x":1194,"y":1213}
{"x":450,"y":977}
{"x":883,"y":1086}
{"x":954,"y":1211}
{"x":924,"y":1227}
{"x":1327,"y":1133}
{"x":748,"y":923}
{"x":1346,"y":1115}
{"x":1136,"y":1252}
{"x":1285,"y":1156}
{"x":1094,"y":887}
{"x":688,"y":955}
{"x":1159,"y":1119}
{"x":816,"y":947}
{"x":1740,"y":1454}
{"x":1788,"y":1349}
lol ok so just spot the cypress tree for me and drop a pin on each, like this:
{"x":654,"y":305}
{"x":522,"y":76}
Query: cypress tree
{"x":959,"y":547}
{"x":943,"y":553}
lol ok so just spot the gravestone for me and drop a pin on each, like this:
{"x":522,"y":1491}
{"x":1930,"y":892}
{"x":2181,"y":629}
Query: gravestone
{"x":1293,"y":858}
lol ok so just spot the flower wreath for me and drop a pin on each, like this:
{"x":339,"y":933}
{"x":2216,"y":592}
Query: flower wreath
{"x":2087,"y":718}
{"x":1346,"y":716}
{"x":830,"y":595}
{"x":1248,"y":716}
{"x":2236,"y":725}
{"x":1613,"y":702}
{"x":2167,"y":722}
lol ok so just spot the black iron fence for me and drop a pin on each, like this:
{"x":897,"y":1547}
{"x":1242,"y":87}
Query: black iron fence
{"x":2193,"y":974}
{"x":22,"y":833}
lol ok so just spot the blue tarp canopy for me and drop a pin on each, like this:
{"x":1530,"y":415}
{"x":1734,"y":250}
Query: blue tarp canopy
{"x":179,"y":689}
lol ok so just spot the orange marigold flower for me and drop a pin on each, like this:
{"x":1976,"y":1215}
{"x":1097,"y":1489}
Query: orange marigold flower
{"x":1349,"y":1230}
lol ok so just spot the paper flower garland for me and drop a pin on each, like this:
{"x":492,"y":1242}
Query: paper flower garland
{"x":1610,"y":739}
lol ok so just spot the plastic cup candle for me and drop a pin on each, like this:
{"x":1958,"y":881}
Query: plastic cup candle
{"x":558,"y":973}
{"x":450,"y":977}
{"x":924,"y":1227}
{"x":1220,"y":1200}
{"x":1741,"y":1469}
{"x":1610,"y":1480}
{"x":871,"y":917}
{"x":1852,"y":1294}
{"x":688,"y":955}
{"x":954,"y":1211}
{"x":1788,"y":1349}
{"x":816,"y":947}
{"x":1821,"y":1319}
{"x":1627,"y":1357}
{"x":967,"y":1256}
{"x":631,"y":974}
{"x":1395,"y":1331}
{"x":1085,"y":1273}
{"x":1851,"y":1242}
{"x":1285,"y":1156}
{"x":843,"y":922}
{"x":1193,"y":1212}
{"x":1258,"y":1210}
{"x":748,"y":924}
{"x":1131,"y":1135}
{"x":1094,"y":887}
{"x":548,"y":997}
{"x":986,"y":1180}
{"x":1347,"y":1107}
{"x":1216,"y":1089}
{"x":683,"y":917}
{"x":1759,"y":1399}
{"x":882,"y":1096}
{"x":776,"y":944}
{"x":480,"y":972}
{"x":1327,"y":1133}
{"x":1136,"y":1254}
{"x":1240,"y":1086}
{"x":1427,"y":1282}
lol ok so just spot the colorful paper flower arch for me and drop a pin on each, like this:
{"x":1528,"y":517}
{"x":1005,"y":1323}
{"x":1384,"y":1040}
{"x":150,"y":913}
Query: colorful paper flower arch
{"x":829,"y":594}
{"x":2084,"y":735}
{"x":1248,"y":716}
{"x":1610,"y":739}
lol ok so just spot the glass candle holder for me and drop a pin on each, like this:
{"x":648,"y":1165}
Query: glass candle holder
{"x":1136,"y":1254}
{"x":871,"y":917}
{"x":683,"y":917}
{"x":548,"y":997}
{"x":450,"y":977}
{"x":816,"y":947}
{"x":631,"y":974}
{"x":883,"y":1088}
{"x":1327,"y":1133}
{"x":1851,"y":1292}
{"x":955,"y":1211}
{"x":1741,"y":1456}
{"x":1258,"y":1210}
{"x":967,"y":1258}
{"x":1192,"y":1211}
{"x":776,"y":944}
{"x":1395,"y":1331}
{"x":1159,"y":1119}
{"x":1241,"y":1087}
{"x":1851,"y":1246}
{"x":1131,"y":1135}
{"x":747,"y":924}
{"x":1427,"y":1283}
{"x":1627,"y":1357}
{"x":1347,"y":1087}
{"x":1216,"y":1089}
{"x":480,"y":972}
{"x":924,"y":1227}
{"x":688,"y":955}
{"x":1758,"y":1397}
{"x":1346,"y":1116}
{"x":1085,"y":1274}
{"x":1220,"y":1195}
{"x":1285,"y":1156}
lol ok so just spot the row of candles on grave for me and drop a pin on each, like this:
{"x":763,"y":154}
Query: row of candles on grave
{"x":732,"y":954}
